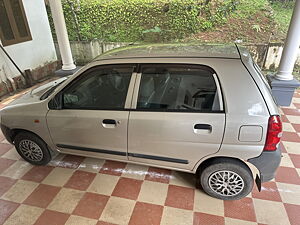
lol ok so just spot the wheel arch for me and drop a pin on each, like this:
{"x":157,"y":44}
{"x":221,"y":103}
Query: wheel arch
{"x":214,"y":159}
{"x":13,"y":133}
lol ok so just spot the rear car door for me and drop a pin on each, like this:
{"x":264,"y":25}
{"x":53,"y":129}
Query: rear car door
{"x":93,"y":117}
{"x":177,"y":115}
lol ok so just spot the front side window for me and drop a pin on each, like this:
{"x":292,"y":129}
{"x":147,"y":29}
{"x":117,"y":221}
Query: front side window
{"x":178,"y":88}
{"x":13,"y":23}
{"x":100,"y":88}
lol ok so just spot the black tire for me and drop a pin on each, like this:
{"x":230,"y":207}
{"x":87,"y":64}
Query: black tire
{"x":41,"y":157}
{"x":217,"y":168}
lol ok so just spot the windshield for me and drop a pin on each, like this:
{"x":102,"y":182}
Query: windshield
{"x":50,"y":90}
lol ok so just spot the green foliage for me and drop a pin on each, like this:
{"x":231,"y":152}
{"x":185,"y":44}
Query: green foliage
{"x":247,"y":8}
{"x":143,"y":20}
{"x":256,"y":27}
{"x":283,"y":13}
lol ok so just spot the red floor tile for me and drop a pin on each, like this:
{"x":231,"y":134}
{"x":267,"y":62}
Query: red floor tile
{"x":42,"y":195}
{"x":297,"y":104}
{"x":284,"y":119}
{"x":6,"y":209}
{"x":296,"y":127}
{"x":50,"y":217}
{"x":37,"y":173}
{"x":289,"y":111}
{"x":104,"y":223}
{"x":290,"y":136}
{"x":293,"y":212}
{"x":287,"y":175}
{"x":2,"y":106}
{"x":204,"y":219}
{"x":269,"y":191}
{"x":5,"y":184}
{"x":242,"y":209}
{"x":91,"y":205}
{"x":71,"y":161}
{"x":180,"y":197}
{"x":127,"y":188}
{"x":113,"y":168}
{"x":5,"y":148}
{"x":158,"y":175}
{"x":80,"y":180}
{"x":283,"y":150}
{"x":295,"y":159}
{"x":144,"y":213}
{"x":5,"y":163}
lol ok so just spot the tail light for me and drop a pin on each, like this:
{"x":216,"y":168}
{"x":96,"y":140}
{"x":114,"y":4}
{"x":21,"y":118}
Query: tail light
{"x":274,"y":133}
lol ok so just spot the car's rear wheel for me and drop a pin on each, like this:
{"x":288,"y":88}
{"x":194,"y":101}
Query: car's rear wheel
{"x":32,"y":148}
{"x":226,"y":179}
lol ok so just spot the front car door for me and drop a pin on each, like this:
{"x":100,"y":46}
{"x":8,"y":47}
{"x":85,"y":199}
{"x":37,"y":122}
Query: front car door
{"x":92,"y":119}
{"x":177,"y":116}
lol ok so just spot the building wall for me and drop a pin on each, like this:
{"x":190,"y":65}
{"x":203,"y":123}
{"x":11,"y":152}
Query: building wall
{"x":35,"y":54}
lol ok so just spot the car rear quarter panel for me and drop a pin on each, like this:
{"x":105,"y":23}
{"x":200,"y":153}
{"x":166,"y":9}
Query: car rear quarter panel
{"x":244,"y":106}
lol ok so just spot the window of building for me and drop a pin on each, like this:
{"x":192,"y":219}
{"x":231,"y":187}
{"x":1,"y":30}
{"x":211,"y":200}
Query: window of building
{"x":13,"y":23}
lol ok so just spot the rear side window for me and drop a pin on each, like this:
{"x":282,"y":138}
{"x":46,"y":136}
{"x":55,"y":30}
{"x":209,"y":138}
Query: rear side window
{"x":178,"y":88}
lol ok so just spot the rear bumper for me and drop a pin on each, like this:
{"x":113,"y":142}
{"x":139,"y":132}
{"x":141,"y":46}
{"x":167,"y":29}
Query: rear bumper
{"x":267,"y":164}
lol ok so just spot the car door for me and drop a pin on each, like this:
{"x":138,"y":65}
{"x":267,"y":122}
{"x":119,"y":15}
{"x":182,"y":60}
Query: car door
{"x":92,"y":119}
{"x":177,"y":116}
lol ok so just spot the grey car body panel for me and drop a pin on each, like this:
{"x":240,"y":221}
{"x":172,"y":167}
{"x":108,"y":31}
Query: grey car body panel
{"x":260,"y":81}
{"x":247,"y":102}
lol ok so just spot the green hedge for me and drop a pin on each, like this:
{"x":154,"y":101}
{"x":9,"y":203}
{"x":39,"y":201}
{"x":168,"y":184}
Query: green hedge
{"x":142,"y":20}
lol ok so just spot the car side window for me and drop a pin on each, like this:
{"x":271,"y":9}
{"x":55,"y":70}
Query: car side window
{"x":178,"y":88}
{"x":101,"y":88}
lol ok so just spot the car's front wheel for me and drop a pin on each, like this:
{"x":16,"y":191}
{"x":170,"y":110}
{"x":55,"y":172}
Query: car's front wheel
{"x":32,"y":148}
{"x":227,"y":179}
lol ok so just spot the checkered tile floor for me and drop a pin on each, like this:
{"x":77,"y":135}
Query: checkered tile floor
{"x":78,"y":190}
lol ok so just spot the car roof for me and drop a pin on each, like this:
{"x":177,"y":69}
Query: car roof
{"x":182,"y":50}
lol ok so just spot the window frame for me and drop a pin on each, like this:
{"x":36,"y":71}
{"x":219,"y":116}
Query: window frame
{"x":56,"y":103}
{"x":12,"y":22}
{"x":185,"y":65}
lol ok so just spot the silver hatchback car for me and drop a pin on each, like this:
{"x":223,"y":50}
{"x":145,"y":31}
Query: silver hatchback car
{"x":202,"y":109}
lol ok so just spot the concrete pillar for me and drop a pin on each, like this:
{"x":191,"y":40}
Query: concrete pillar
{"x":283,"y":83}
{"x":291,"y":47}
{"x":62,"y":35}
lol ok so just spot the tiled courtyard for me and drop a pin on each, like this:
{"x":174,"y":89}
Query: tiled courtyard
{"x":86,"y":191}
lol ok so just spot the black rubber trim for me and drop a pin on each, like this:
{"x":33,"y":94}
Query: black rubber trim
{"x":7,"y":133}
{"x":92,"y":150}
{"x":160,"y":158}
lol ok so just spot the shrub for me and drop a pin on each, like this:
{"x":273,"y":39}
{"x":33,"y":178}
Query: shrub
{"x":142,"y":20}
